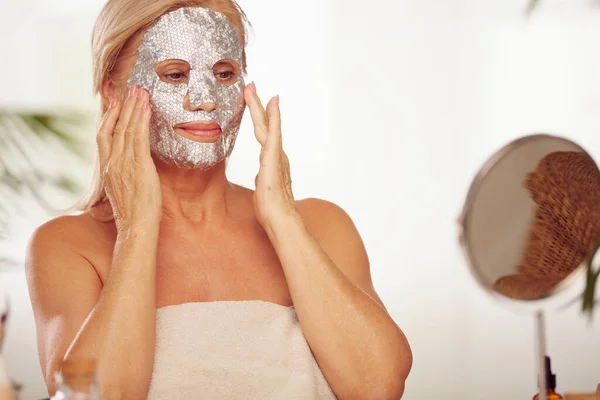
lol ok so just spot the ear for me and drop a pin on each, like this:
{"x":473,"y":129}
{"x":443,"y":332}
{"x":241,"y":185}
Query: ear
{"x":107,"y":91}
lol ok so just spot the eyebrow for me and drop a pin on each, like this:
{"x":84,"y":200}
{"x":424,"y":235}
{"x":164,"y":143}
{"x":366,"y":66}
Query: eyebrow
{"x":172,"y":61}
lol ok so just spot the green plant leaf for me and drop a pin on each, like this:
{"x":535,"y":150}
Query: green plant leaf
{"x":46,"y":124}
{"x":589,"y":299}
{"x":531,"y":6}
{"x":67,"y":184}
{"x":23,"y":138}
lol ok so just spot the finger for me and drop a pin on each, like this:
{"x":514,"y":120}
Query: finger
{"x":257,"y":112}
{"x":105,"y":131}
{"x":118,"y":139}
{"x":142,"y":139}
{"x":274,"y":116}
{"x":134,"y":123}
{"x":260,"y":105}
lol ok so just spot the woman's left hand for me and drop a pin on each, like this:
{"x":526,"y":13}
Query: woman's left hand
{"x":273,"y":197}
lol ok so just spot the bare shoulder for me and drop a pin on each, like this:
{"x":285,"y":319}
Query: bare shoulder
{"x":324,"y":217}
{"x":66,"y":231}
{"x":336,"y":233}
{"x":333,"y":229}
{"x":66,"y":240}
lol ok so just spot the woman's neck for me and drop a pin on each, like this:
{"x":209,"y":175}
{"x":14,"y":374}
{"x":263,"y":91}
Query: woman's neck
{"x":193,"y":194}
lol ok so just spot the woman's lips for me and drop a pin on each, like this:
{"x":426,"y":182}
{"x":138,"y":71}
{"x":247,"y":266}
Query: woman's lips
{"x":201,"y":130}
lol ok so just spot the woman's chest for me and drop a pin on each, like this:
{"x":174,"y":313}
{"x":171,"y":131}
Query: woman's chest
{"x":228,"y":267}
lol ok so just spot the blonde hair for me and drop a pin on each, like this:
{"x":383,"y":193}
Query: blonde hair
{"x":117,"y":23}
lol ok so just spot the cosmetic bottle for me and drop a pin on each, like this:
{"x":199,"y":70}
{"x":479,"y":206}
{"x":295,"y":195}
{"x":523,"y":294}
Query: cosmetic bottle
{"x":6,"y":387}
{"x":550,"y":383}
{"x":77,"y":380}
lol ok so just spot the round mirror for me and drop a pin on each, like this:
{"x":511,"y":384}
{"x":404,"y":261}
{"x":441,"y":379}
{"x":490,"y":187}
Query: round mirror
{"x":532,"y":217}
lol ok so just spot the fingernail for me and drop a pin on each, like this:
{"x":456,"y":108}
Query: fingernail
{"x":113,"y":102}
{"x":132,"y":90}
{"x":146,"y":103}
{"x":140,"y":93}
{"x":253,"y":87}
{"x":277,"y":99}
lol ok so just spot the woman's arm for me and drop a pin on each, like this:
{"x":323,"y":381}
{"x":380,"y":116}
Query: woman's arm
{"x":78,"y":318}
{"x":361,"y":351}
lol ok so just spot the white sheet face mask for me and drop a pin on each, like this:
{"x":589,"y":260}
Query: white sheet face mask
{"x":202,"y":38}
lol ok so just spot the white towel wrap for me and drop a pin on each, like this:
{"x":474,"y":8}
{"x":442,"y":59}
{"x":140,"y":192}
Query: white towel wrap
{"x":233,"y":350}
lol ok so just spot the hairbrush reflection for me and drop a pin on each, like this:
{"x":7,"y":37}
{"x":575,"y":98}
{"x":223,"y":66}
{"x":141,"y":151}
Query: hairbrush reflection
{"x":565,"y":188}
{"x":531,"y":217}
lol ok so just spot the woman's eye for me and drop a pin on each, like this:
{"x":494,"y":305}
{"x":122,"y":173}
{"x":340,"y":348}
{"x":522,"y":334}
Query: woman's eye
{"x":225,"y":75}
{"x":176,"y":77}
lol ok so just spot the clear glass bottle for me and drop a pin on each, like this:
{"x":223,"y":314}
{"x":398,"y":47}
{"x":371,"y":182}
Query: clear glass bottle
{"x":7,"y":391}
{"x":77,"y":381}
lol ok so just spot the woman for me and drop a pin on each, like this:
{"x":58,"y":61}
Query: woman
{"x":179,"y":283}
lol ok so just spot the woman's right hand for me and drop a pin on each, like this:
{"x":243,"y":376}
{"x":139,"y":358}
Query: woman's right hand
{"x":128,"y":172}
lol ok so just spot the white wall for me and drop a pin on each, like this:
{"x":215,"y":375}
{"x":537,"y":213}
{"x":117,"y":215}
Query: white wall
{"x":389,"y":108}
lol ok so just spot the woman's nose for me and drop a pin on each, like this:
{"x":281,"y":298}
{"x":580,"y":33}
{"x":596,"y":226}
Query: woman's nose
{"x":204,"y":106}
